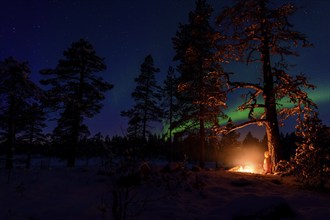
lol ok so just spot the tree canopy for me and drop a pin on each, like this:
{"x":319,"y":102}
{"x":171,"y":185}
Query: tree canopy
{"x":18,"y":93}
{"x":147,"y":96}
{"x":201,"y":81}
{"x":76,"y":90}
{"x":253,"y":31}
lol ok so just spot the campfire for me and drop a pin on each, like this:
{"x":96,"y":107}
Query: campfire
{"x":247,"y":159}
{"x":251,"y":168}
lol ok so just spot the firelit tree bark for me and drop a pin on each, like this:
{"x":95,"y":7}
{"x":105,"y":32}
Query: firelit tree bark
{"x":272,"y":129}
{"x":200,"y":95}
{"x":253,"y":32}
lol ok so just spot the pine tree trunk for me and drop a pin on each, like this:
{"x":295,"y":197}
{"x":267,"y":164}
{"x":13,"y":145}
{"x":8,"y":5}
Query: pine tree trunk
{"x":10,"y":153}
{"x":170,"y":125}
{"x":28,"y":159}
{"x":75,"y":139}
{"x":273,"y":144}
{"x":202,"y":142}
{"x":76,"y":125}
{"x":11,"y":133}
{"x":272,"y":129}
{"x":145,"y":110}
{"x":72,"y":154}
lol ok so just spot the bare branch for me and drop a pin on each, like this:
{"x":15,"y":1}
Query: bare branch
{"x":237,"y":85}
{"x":226,"y":130}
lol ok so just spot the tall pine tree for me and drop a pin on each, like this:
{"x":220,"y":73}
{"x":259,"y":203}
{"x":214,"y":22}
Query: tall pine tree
{"x":311,"y":160}
{"x":76,"y":90}
{"x":169,"y":102}
{"x":255,"y":32}
{"x":147,"y":97}
{"x":17,"y":92}
{"x":201,"y":82}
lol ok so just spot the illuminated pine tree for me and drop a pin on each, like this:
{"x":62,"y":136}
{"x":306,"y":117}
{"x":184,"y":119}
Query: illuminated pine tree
{"x":201,"y":80}
{"x":312,"y":157}
{"x":254,"y":32}
{"x":76,"y":91}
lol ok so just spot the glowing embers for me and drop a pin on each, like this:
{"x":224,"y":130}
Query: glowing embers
{"x":247,"y":169}
{"x":245,"y":158}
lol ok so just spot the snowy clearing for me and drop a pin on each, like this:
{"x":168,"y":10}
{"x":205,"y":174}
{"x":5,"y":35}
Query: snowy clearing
{"x":84,"y":193}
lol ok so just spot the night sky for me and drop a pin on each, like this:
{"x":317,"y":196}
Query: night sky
{"x":124,"y":32}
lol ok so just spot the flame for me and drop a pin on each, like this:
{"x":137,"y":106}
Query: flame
{"x":246,"y":169}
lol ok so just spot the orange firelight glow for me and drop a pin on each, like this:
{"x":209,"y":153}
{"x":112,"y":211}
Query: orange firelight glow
{"x":246,"y":169}
{"x":247,"y":159}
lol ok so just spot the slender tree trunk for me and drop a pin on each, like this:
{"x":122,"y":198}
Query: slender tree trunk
{"x":74,"y":144}
{"x":202,"y":137}
{"x":145,"y":110}
{"x":171,"y":113}
{"x":170,"y":122}
{"x":202,"y":143}
{"x":28,"y":159}
{"x":10,"y":148}
{"x":76,"y":125}
{"x":11,"y":132}
{"x":74,"y":138}
{"x":144,"y":128}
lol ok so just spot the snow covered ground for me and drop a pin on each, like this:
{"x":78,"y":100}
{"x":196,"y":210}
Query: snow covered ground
{"x":84,"y":193}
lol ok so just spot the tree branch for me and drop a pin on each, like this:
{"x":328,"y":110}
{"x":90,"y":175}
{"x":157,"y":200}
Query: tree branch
{"x":226,"y":130}
{"x":237,"y":85}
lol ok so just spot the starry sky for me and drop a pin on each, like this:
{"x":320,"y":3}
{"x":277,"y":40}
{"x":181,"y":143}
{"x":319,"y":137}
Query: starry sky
{"x":124,"y":32}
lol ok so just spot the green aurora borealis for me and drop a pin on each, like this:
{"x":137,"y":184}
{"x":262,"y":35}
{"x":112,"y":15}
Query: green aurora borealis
{"x":319,"y":96}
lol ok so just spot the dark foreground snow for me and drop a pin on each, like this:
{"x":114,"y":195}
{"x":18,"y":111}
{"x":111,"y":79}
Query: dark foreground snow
{"x":83,"y":193}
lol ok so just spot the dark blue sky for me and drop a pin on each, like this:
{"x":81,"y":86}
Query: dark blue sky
{"x":125,"y":31}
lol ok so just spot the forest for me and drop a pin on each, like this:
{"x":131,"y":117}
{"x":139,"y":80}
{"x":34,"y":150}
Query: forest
{"x":189,"y":104}
{"x":203,"y":164}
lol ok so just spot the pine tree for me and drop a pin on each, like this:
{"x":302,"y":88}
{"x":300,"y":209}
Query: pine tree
{"x":170,"y":107}
{"x":17,"y":91}
{"x":135,"y":123}
{"x":253,"y":32}
{"x":231,"y":139}
{"x":250,"y":140}
{"x":34,"y":122}
{"x":147,"y":96}
{"x":288,"y":140}
{"x":201,"y":80}
{"x":76,"y":91}
{"x":311,"y":159}
{"x":169,"y":102}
